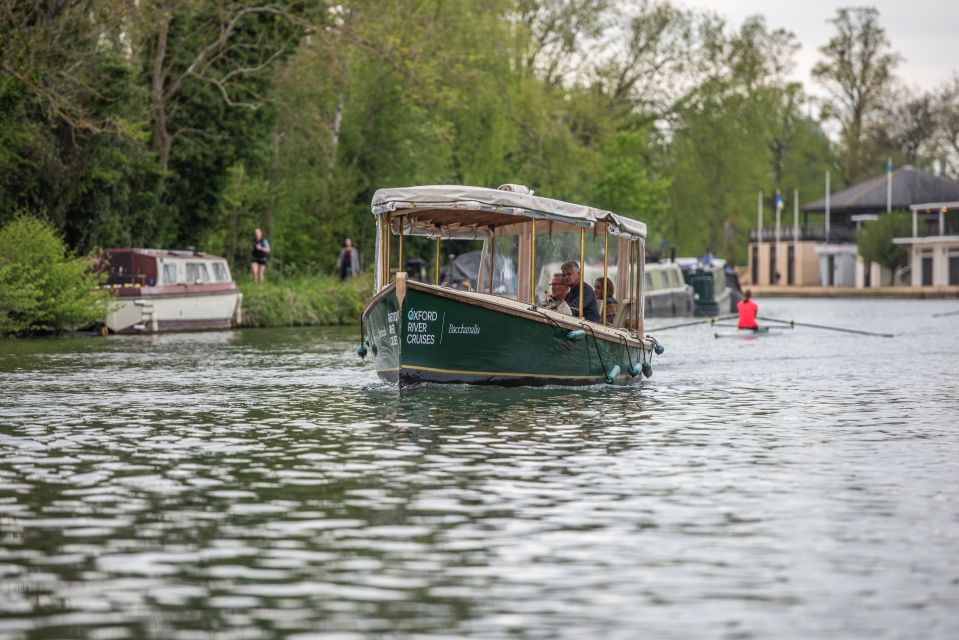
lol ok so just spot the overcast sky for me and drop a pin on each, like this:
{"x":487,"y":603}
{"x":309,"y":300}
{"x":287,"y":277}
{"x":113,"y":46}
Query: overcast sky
{"x":924,"y":32}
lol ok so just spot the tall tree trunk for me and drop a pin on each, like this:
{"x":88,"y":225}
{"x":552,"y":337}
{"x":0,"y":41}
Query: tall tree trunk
{"x":275,"y":141}
{"x":162,"y":138}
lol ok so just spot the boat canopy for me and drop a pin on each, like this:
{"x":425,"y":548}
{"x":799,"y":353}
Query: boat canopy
{"x":453,"y":211}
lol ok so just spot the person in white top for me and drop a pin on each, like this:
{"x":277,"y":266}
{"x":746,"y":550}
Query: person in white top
{"x":558,"y":290}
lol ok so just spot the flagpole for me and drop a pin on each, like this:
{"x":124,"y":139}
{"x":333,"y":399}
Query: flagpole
{"x":795,"y":215}
{"x":775,"y":263}
{"x":827,"y":205}
{"x":759,"y":217}
{"x":888,"y":185}
{"x":759,"y":231}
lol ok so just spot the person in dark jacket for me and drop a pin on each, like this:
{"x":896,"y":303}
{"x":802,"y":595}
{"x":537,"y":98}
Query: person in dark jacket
{"x":348,"y":262}
{"x":261,"y":253}
{"x":590,"y":309}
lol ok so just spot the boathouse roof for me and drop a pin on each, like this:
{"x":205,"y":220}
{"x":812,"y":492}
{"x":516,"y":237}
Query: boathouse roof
{"x":479,"y":207}
{"x":909,"y":186}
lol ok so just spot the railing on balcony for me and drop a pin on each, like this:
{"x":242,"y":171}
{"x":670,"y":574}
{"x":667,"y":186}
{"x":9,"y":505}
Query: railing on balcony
{"x":811,"y":233}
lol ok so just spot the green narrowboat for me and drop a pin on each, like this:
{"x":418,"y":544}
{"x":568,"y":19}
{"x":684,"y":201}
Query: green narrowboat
{"x":480,"y":334}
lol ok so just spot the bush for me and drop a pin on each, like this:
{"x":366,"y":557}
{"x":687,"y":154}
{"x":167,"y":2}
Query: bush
{"x":303,"y":301}
{"x":875,"y":240}
{"x":44,"y":289}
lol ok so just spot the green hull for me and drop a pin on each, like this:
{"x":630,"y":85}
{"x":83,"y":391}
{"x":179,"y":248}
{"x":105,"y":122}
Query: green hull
{"x":439,"y":335}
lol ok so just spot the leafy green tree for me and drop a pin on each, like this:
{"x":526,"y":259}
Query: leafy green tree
{"x":875,"y":240}
{"x":73,"y":123}
{"x":857,"y":71}
{"x":43,"y":288}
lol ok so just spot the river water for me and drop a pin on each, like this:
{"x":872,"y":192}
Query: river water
{"x":263,"y":483}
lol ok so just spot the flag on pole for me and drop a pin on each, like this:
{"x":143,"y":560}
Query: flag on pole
{"x":779,"y":201}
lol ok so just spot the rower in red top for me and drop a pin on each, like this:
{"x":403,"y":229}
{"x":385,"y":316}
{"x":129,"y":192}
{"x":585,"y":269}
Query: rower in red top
{"x":747,"y":311}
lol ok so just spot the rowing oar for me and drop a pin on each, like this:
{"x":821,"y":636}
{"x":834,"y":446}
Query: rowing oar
{"x":694,"y":322}
{"x":822,"y":326}
{"x":736,"y":326}
{"x":946,"y":314}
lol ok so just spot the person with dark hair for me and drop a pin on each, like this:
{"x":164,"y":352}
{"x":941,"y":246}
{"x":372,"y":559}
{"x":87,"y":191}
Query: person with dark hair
{"x":747,"y":311}
{"x":348,"y":262}
{"x":606,"y":291}
{"x":590,"y":310}
{"x":261,"y":253}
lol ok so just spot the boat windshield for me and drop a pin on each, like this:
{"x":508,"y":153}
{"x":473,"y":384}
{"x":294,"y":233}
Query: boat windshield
{"x":503,"y":242}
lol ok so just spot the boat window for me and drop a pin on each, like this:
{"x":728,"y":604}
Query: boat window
{"x":197,"y":271}
{"x":649,"y":280}
{"x":169,"y":274}
{"x":674,"y":279}
{"x":220,"y":272}
{"x":660,"y":280}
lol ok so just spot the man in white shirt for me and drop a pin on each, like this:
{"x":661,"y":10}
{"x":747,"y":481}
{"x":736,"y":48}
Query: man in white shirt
{"x":558,"y":290}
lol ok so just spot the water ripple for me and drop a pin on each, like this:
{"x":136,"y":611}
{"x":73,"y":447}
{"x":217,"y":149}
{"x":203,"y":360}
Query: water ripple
{"x":265,"y":483}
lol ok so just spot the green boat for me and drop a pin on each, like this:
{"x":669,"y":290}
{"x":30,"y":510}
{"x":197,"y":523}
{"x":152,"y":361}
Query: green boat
{"x":442,"y":333}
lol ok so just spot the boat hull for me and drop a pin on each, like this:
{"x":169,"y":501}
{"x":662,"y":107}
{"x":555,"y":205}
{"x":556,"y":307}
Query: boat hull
{"x":431,"y":334}
{"x":669,"y":303}
{"x":151,"y":312}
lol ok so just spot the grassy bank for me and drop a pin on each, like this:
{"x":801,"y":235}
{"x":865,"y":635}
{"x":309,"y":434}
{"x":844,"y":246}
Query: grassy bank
{"x":303,"y":301}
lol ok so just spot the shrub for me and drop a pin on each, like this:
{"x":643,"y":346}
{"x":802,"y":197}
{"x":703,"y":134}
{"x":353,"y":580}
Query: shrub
{"x":303,"y":301}
{"x":875,"y":240}
{"x":43,"y":288}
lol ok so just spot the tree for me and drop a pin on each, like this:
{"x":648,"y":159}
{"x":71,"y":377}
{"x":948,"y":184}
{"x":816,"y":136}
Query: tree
{"x":875,"y":240}
{"x":43,"y":288}
{"x":72,"y":126}
{"x":857,"y":72}
{"x":947,"y":126}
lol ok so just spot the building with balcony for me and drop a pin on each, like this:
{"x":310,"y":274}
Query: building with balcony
{"x":934,"y":245}
{"x":827,"y":254}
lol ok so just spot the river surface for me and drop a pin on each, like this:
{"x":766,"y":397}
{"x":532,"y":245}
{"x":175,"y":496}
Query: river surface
{"x":263,"y":483}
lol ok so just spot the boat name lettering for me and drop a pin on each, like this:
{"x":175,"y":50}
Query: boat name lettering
{"x":420,"y":316}
{"x":464,"y":328}
{"x":420,"y":338}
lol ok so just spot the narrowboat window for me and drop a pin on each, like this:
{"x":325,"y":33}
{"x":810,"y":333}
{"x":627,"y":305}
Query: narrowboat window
{"x":674,"y":279}
{"x":169,"y":274}
{"x":197,"y":271}
{"x":649,"y":280}
{"x":220,"y":272}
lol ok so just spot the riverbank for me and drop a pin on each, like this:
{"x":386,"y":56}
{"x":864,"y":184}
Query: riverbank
{"x":929,"y":293}
{"x":303,"y":301}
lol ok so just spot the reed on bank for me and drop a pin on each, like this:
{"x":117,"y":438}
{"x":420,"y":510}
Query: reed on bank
{"x":309,"y":300}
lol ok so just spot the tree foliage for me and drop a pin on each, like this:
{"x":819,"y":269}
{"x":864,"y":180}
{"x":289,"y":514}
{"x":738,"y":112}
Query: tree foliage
{"x":857,"y":70}
{"x":42,"y":287}
{"x":170,"y":123}
{"x":875,"y":240}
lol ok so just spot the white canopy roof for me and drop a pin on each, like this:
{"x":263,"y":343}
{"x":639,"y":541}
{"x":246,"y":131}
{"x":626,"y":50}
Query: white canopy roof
{"x":464,"y":206}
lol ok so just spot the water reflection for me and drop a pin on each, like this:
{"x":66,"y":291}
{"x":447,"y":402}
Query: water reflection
{"x":264,"y":483}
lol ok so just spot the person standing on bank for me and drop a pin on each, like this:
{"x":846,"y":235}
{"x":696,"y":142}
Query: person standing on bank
{"x":348,"y":262}
{"x":747,"y":311}
{"x":261,"y":253}
{"x":590,"y":309}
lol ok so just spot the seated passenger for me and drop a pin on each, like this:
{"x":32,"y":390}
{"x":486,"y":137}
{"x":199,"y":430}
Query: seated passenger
{"x":557,"y":295}
{"x":747,"y":311}
{"x":590,"y":310}
{"x":606,"y":291}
